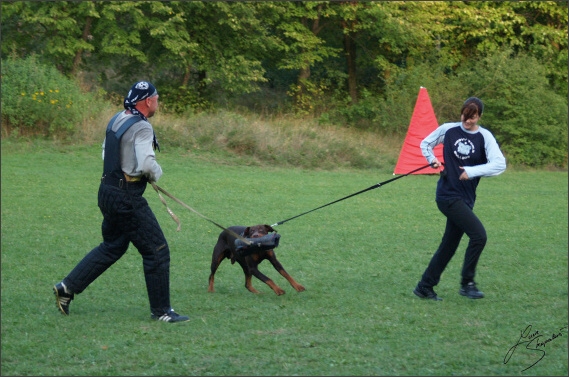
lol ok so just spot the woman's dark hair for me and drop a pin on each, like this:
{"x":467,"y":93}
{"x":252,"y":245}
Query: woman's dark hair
{"x":472,"y":106}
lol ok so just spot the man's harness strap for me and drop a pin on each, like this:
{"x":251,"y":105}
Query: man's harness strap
{"x":112,"y":170}
{"x":125,"y":126}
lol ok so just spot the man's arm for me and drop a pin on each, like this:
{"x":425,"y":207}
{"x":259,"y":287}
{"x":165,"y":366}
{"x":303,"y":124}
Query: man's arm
{"x":145,"y":157}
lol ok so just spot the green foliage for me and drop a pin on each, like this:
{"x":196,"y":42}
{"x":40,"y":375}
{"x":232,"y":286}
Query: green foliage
{"x":527,"y":117}
{"x":544,"y":35}
{"x":445,"y":90}
{"x":308,"y":97}
{"x":391,"y":112}
{"x":183,"y":100}
{"x":299,"y":44}
{"x":237,"y":43}
{"x":355,"y":64}
{"x":38,"y":100}
{"x":57,"y":31}
{"x":361,"y":115}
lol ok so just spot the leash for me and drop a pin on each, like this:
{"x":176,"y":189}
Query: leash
{"x":354,"y":194}
{"x":160,"y":189}
{"x":260,"y":243}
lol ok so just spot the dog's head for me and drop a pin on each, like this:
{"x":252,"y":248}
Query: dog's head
{"x":257,"y":231}
{"x":252,"y":232}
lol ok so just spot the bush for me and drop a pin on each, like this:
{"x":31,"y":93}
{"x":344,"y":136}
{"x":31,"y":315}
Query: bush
{"x":525,"y":114}
{"x":391,"y":111}
{"x":445,"y":91}
{"x":39,"y":100}
{"x":362,"y":115}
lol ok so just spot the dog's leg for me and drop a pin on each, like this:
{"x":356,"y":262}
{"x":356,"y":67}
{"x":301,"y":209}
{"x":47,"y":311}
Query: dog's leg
{"x":278,"y":290}
{"x":279,"y":267}
{"x":259,"y":275}
{"x":216,"y":259}
{"x":248,"y":276}
{"x":249,"y":285}
{"x":295,"y":285}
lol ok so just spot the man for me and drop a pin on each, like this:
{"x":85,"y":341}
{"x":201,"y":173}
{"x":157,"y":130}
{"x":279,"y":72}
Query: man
{"x":128,"y":164}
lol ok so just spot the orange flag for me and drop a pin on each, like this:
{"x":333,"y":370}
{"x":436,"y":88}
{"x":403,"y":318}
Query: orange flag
{"x":423,"y":122}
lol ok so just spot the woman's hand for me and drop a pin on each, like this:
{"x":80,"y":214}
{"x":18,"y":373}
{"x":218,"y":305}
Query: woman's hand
{"x":435,"y":163}
{"x":463,"y":176}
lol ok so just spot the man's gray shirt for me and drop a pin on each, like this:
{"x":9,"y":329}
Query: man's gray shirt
{"x":137,"y":154}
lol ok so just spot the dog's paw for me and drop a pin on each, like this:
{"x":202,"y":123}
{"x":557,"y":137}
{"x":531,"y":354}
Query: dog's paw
{"x":300,"y":288}
{"x":279,"y":291}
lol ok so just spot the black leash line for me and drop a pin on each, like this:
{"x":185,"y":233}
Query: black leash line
{"x":354,"y":194}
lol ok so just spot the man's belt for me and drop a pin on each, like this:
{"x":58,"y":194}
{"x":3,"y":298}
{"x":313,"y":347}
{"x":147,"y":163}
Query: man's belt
{"x":130,"y":178}
{"x":124,"y":183}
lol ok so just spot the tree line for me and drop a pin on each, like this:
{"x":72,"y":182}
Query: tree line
{"x":358,"y":63}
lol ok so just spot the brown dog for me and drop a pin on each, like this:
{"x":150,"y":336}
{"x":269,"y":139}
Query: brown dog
{"x":225,"y":248}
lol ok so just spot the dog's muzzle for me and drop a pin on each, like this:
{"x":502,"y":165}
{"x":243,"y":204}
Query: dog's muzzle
{"x":268,"y":242}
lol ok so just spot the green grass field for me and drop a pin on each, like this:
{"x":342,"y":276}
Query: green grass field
{"x":358,"y":259}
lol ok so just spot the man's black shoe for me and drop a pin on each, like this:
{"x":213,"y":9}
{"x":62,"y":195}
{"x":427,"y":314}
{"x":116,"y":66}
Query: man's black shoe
{"x":170,"y":316}
{"x":62,"y":298}
{"x":425,"y":292}
{"x":469,"y":290}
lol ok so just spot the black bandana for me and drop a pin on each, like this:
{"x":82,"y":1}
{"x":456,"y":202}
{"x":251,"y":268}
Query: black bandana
{"x":139,"y":91}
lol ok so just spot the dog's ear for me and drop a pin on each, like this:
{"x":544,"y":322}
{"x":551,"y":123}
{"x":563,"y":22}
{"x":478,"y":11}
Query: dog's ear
{"x":246,"y":232}
{"x":269,"y":229}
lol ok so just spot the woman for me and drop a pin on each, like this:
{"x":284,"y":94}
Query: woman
{"x":470,"y":152}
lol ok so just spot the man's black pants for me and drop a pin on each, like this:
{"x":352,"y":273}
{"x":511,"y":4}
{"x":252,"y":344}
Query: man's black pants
{"x":127,"y":218}
{"x":460,"y":220}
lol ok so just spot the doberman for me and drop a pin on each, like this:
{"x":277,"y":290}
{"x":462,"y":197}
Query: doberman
{"x":225,"y":248}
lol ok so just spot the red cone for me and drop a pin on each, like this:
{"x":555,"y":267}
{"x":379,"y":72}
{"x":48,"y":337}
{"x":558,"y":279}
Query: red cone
{"x":423,"y":122}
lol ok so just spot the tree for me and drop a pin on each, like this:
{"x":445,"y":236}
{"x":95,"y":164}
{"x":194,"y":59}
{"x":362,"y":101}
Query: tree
{"x":58,"y":31}
{"x":526,"y":116}
{"x":297,"y":29}
{"x":536,"y":27}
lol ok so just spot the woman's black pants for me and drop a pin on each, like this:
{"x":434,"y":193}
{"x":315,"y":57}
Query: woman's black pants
{"x":460,"y":220}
